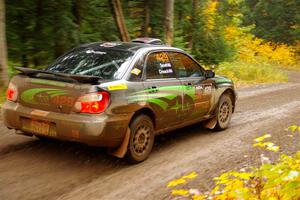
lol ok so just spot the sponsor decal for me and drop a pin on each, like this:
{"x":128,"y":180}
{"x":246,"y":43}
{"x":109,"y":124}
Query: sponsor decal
{"x":136,"y":71}
{"x":162,"y":57}
{"x":165,"y":71}
{"x":162,"y":65}
{"x":46,"y":96}
{"x":164,"y":98}
{"x":203,"y":89}
{"x":62,"y":100}
{"x":207,"y":89}
{"x":95,"y":52}
{"x":199,"y":87}
{"x":121,"y":86}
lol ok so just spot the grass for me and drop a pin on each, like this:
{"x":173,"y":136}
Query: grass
{"x":295,"y":67}
{"x":250,"y":74}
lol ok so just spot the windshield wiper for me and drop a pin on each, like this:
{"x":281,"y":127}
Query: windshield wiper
{"x":74,"y":77}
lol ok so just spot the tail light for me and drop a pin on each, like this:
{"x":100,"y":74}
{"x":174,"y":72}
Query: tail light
{"x":12,"y":92}
{"x":92,"y":103}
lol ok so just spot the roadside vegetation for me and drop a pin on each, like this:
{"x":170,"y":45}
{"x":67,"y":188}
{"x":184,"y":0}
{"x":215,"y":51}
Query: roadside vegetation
{"x":278,"y":180}
{"x":2,"y":95}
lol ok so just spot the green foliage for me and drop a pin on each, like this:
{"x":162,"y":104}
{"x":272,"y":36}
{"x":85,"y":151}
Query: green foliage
{"x":270,"y":181}
{"x":275,"y":20}
{"x":39,"y":31}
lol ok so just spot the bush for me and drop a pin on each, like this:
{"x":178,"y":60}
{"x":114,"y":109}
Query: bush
{"x":257,"y":61}
{"x":247,"y":73}
{"x":280,"y":180}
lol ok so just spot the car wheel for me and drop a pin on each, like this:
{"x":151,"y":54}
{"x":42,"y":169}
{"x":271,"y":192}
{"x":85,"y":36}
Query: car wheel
{"x":141,"y":139}
{"x":224,"y":112}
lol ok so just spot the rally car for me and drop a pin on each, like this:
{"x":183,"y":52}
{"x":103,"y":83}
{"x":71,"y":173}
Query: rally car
{"x":117,"y":95}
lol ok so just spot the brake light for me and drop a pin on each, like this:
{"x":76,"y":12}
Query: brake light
{"x":92,"y":103}
{"x":12,"y":92}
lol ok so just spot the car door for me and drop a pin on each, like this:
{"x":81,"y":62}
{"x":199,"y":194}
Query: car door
{"x":164,"y":91}
{"x":197,"y":89}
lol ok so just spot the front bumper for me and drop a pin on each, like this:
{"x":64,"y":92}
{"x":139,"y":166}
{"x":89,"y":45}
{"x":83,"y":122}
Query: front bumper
{"x":97,"y":130}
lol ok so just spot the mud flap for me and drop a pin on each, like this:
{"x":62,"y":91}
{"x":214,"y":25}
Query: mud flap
{"x":211,"y":123}
{"x":122,"y":149}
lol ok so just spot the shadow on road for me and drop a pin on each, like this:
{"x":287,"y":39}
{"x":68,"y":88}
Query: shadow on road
{"x":83,"y":153}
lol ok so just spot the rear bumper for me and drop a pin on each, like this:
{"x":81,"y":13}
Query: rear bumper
{"x":97,"y":130}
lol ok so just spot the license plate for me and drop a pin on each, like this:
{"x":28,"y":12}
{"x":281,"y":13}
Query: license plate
{"x":34,"y":126}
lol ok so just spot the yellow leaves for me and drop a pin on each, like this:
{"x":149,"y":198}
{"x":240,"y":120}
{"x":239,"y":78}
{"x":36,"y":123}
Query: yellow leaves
{"x":269,"y":181}
{"x":266,"y":145}
{"x":273,"y":148}
{"x":255,"y":50}
{"x":176,"y":182}
{"x":210,"y":14}
{"x":263,"y":144}
{"x":180,"y":192}
{"x":242,"y":175}
{"x":190,"y":175}
{"x":199,"y":197}
{"x":179,"y":181}
{"x":182,"y":180}
{"x":262,"y":138}
{"x":294,"y":128}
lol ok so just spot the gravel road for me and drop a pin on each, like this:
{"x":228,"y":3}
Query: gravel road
{"x":34,"y":169}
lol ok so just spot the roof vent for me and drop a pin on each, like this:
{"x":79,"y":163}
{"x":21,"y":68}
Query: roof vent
{"x":147,"y":40}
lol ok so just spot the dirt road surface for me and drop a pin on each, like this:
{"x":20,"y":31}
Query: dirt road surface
{"x":34,"y":169}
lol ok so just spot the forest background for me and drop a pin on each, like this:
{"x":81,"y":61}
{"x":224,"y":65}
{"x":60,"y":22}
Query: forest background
{"x":249,"y":41}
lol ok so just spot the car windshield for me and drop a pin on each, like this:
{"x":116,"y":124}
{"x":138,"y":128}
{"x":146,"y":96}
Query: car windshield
{"x":103,"y":62}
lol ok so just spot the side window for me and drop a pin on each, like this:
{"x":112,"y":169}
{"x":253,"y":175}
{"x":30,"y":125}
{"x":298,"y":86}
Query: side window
{"x":158,"y":66}
{"x":185,"y":66}
{"x":137,"y":70}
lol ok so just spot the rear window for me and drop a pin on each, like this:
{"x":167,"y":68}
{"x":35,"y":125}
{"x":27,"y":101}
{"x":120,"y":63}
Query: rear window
{"x":103,"y":62}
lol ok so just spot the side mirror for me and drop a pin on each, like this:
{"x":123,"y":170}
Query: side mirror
{"x":210,"y":74}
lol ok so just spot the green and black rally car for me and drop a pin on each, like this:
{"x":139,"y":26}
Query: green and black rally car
{"x":117,"y":95}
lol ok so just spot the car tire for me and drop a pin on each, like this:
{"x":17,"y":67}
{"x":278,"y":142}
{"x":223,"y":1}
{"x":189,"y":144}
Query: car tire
{"x":141,"y":139}
{"x":44,"y":138}
{"x":224,"y":112}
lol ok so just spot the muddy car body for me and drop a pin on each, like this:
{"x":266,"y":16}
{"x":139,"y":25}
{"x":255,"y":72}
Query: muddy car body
{"x":117,"y":95}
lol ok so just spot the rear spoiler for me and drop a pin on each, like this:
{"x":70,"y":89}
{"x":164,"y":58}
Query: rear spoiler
{"x":68,"y":77}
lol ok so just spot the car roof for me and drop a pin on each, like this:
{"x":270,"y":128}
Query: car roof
{"x":125,"y":46}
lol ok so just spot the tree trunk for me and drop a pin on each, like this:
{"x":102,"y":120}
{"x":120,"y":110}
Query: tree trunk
{"x":146,"y":18}
{"x":76,"y":8}
{"x":194,"y":13}
{"x":38,"y":30}
{"x":119,"y":18}
{"x":24,"y":37}
{"x":169,"y":15}
{"x":3,"y":47}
